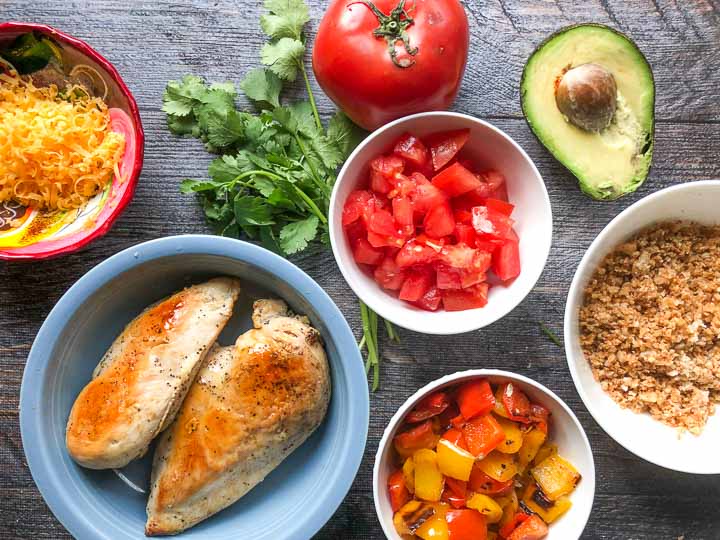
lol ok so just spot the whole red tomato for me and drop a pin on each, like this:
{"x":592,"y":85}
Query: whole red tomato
{"x":383,"y":60}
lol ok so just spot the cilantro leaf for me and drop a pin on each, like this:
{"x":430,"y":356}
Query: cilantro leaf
{"x":343,"y":133}
{"x":262,"y":86}
{"x":286,"y":18}
{"x":180,"y":97}
{"x":283,"y":57}
{"x":226,"y":168}
{"x":223,"y":128}
{"x":192,"y":186}
{"x":252,"y":211}
{"x":295,"y":236}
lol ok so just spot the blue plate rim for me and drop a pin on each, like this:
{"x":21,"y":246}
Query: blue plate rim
{"x":358,"y":403}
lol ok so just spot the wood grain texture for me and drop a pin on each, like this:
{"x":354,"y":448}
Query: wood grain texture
{"x":151,"y":42}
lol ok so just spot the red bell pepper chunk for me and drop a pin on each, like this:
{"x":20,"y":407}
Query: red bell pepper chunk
{"x":456,"y":180}
{"x":475,"y":398}
{"x":507,"y":529}
{"x":532,"y":528}
{"x":365,"y":253}
{"x":455,"y":492}
{"x":482,"y":435}
{"x":389,"y":275}
{"x":428,"y":407}
{"x":480,"y":482}
{"x":445,"y":146}
{"x":431,"y":300}
{"x":411,"y":149}
{"x":473,"y":297}
{"x":418,"y":282}
{"x":455,"y":436}
{"x":420,"y":436}
{"x":466,"y":524}
{"x":399,"y":493}
{"x":516,"y":403}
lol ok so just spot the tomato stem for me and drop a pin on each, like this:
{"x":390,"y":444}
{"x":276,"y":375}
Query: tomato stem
{"x":392,"y":28}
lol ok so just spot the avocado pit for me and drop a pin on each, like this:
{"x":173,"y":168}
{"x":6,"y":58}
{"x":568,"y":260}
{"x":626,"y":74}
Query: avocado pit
{"x":587,"y":96}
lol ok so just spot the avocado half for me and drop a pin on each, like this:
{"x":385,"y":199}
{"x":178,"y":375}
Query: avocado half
{"x":611,"y":161}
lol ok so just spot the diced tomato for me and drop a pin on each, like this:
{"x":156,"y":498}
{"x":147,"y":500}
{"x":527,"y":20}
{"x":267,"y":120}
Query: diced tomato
{"x":383,"y":171}
{"x":426,"y":197}
{"x":435,"y":243}
{"x":500,"y":193}
{"x":420,"y":436}
{"x":364,"y":253}
{"x":491,"y":180}
{"x":354,"y":231}
{"x":463,"y":216}
{"x":399,"y":493}
{"x":382,"y":222}
{"x":489,"y":245}
{"x":506,"y":260}
{"x":439,"y":221}
{"x":379,"y":241}
{"x":466,"y":524}
{"x":379,"y":183}
{"x":500,"y":206}
{"x":419,"y":280}
{"x":480,"y":482}
{"x":482,"y":435}
{"x":475,"y":398}
{"x":431,"y":300}
{"x":507,"y":529}
{"x":468,"y":278}
{"x":456,"y":180}
{"x":455,"y":492}
{"x":413,"y":253}
{"x":389,"y":275}
{"x":491,"y":223}
{"x":532,"y":528}
{"x":355,"y":206}
{"x":419,"y":178}
{"x":469,"y":298}
{"x":412,"y":149}
{"x":540,"y":416}
{"x":516,"y":403}
{"x":428,"y":407}
{"x":447,"y":277}
{"x":465,"y":234}
{"x":403,"y":212}
{"x":445,"y":146}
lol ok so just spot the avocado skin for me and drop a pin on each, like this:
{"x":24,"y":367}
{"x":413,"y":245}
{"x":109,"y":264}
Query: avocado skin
{"x":649,"y":145}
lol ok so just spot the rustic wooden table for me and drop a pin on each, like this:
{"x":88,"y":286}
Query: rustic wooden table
{"x":151,"y":42}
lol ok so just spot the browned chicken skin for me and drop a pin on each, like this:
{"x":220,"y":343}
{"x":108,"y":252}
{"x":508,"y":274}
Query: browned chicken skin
{"x":251,"y":405}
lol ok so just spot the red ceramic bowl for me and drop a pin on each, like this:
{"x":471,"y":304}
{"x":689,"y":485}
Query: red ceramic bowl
{"x":27,"y":234}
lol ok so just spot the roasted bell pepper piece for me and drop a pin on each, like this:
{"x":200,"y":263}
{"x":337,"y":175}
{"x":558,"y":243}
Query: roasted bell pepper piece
{"x":546,"y":450}
{"x":540,"y":417}
{"x":498,"y":466}
{"x":435,"y":528}
{"x":516,"y":403}
{"x":455,"y":492}
{"x":399,"y":494}
{"x":411,"y":516}
{"x":531,"y":444}
{"x":428,"y":478}
{"x":475,"y":398}
{"x":482,"y":483}
{"x":533,"y":528}
{"x":535,"y":500}
{"x":432,"y":405}
{"x":466,"y":524}
{"x":408,"y":470}
{"x":455,"y":436}
{"x":507,"y":529}
{"x":420,"y":436}
{"x":482,"y":435}
{"x":513,"y":436}
{"x":486,"y":506}
{"x":453,"y":461}
{"x":555,"y":476}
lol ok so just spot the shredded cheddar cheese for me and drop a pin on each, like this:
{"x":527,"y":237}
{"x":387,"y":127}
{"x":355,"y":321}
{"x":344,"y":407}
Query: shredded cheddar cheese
{"x":55,"y":151}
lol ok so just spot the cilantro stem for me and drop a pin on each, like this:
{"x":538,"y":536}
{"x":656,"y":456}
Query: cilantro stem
{"x":392,"y":334}
{"x":369,"y":322}
{"x":551,"y":336}
{"x":315,"y":176}
{"x":311,"y":97}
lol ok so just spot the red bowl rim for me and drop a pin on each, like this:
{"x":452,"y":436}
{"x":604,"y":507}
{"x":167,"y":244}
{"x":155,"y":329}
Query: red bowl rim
{"x":127,"y":196}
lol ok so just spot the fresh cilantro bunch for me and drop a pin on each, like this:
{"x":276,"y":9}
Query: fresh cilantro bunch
{"x":276,"y":166}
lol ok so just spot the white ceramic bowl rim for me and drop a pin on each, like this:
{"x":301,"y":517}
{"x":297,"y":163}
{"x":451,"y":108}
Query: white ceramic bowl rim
{"x":407,"y":406}
{"x":464,"y":324}
{"x":686,"y":465}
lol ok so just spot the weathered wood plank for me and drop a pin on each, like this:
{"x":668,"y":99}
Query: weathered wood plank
{"x":154,"y":41}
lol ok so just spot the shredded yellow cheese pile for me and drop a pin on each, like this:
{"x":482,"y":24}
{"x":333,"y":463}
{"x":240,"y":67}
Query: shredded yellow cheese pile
{"x":55,"y":152}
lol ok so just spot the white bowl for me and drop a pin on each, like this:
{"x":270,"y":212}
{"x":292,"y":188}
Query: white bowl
{"x":565,"y":431}
{"x":640,"y":433}
{"x":490,"y":148}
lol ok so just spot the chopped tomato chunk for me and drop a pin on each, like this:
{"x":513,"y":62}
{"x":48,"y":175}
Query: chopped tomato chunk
{"x":431,"y":300}
{"x":500,"y":206}
{"x":439,"y":221}
{"x":506,"y":261}
{"x":413,"y":253}
{"x":412,"y":149}
{"x":465,"y":234}
{"x":469,"y":298}
{"x":417,"y":283}
{"x":466,"y":524}
{"x":475,"y":398}
{"x":425,"y":197}
{"x":482,"y":435}
{"x":491,"y":223}
{"x":456,"y":180}
{"x":366,"y":254}
{"x":430,"y":406}
{"x":389,"y":275}
{"x":445,"y":146}
{"x":355,"y":206}
{"x":403,"y":212}
{"x":447,"y":277}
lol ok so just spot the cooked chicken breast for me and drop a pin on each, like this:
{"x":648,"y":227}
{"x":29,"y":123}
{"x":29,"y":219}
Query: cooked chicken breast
{"x":251,"y":405}
{"x":141,"y":381}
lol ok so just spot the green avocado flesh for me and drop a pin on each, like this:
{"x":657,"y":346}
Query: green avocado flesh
{"x":616,"y":160}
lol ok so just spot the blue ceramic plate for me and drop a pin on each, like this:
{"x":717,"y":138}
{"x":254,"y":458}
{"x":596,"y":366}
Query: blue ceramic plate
{"x":295,"y":500}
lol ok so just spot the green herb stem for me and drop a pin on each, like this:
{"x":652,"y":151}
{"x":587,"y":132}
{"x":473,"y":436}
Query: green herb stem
{"x":311,"y":96}
{"x":551,"y":336}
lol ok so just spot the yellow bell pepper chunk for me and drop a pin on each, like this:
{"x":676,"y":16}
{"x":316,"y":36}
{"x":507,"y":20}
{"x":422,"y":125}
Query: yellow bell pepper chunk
{"x":535,"y":500}
{"x":428,"y":478}
{"x":486,"y":506}
{"x":532,"y":442}
{"x":555,"y":476}
{"x":513,"y":437}
{"x":453,"y":461}
{"x":544,"y":452}
{"x":435,"y":528}
{"x":499,"y":466}
{"x":409,"y":474}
